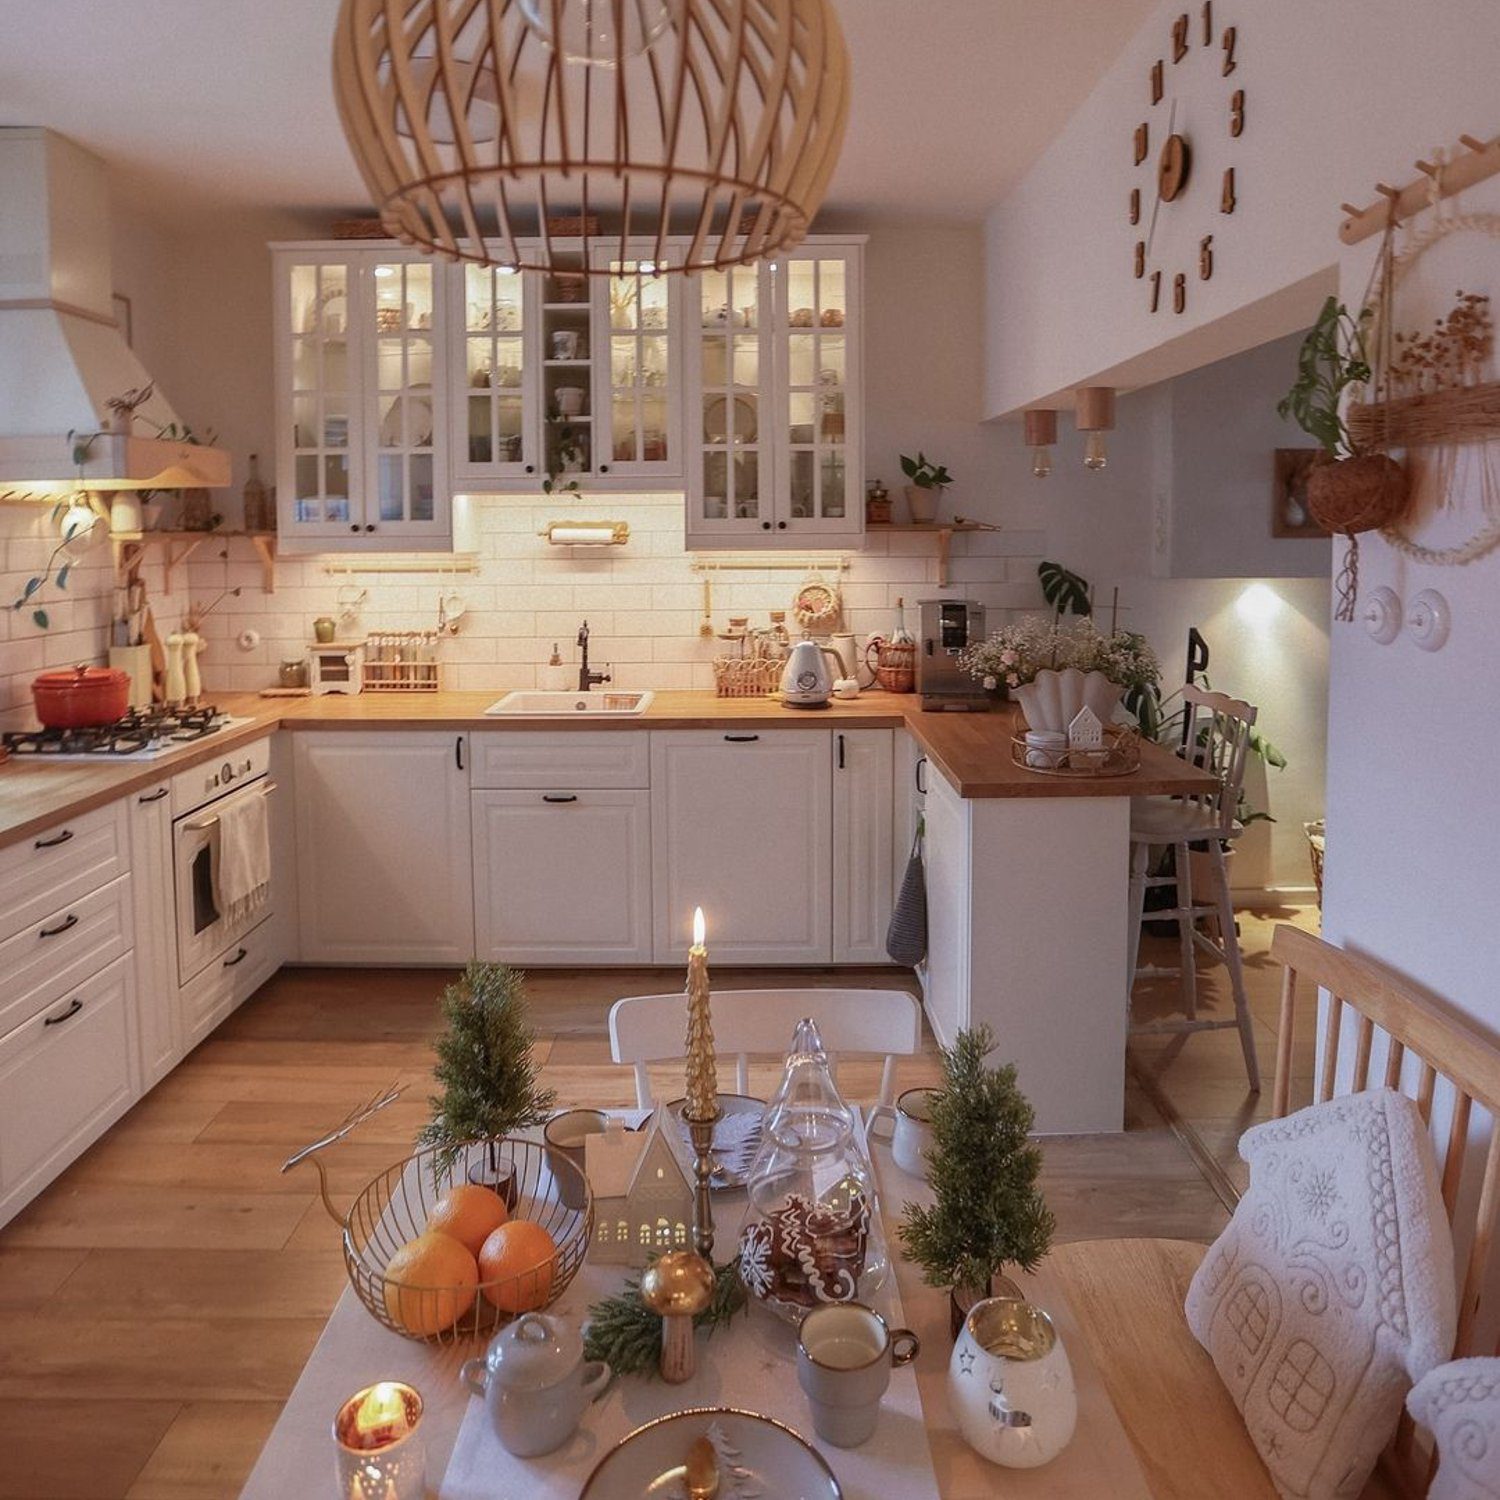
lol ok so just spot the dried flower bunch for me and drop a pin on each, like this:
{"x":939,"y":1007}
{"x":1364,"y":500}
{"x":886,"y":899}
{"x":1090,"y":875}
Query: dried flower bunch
{"x":1014,"y":654}
{"x":1456,"y":353}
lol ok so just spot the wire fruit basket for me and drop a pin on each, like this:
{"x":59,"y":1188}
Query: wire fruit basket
{"x":395,"y":1207}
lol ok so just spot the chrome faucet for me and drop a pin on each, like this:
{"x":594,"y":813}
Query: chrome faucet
{"x":586,"y":678}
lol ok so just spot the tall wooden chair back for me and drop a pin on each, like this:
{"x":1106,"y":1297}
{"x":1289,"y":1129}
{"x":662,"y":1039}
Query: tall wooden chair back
{"x":1423,"y":1047}
{"x":1217,"y":737}
{"x":652,"y":1028}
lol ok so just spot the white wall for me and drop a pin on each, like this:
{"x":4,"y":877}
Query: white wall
{"x":1339,"y":94}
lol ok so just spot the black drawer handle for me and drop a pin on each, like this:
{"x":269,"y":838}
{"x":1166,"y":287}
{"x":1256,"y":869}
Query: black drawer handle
{"x":917,"y":775}
{"x":741,"y":739}
{"x":70,"y":920}
{"x":238,"y":958}
{"x":841,"y":752}
{"x":74,"y":1007}
{"x":558,"y":797}
{"x":155,"y":796}
{"x":62,"y":838}
{"x":458,"y":752}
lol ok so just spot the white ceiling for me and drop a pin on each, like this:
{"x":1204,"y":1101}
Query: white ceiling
{"x":229,"y":101}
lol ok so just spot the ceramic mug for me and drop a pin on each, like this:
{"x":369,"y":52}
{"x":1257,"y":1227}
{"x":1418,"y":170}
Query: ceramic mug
{"x":565,"y":1135}
{"x":911,"y":1129}
{"x":1010,"y":1384}
{"x":845,"y":1354}
{"x":565,"y":344}
{"x":569,"y":400}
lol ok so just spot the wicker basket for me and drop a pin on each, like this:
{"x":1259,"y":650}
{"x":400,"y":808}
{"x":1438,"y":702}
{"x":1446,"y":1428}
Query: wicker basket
{"x":747,"y":676}
{"x":1357,"y":494}
{"x":895,"y":666}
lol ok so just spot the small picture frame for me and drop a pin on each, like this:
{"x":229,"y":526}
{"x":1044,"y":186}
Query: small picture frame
{"x":1290,"y":516}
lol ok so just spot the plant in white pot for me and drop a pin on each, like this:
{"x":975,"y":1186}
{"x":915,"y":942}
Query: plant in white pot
{"x":928,"y":481}
{"x":1053,"y":670}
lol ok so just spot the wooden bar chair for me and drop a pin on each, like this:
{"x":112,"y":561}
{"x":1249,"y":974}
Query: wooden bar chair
{"x":1129,"y":1293}
{"x":1218,"y":739}
{"x":645,"y":1029}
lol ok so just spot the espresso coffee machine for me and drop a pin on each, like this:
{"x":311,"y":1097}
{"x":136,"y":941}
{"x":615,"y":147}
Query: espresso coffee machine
{"x":948,"y":626}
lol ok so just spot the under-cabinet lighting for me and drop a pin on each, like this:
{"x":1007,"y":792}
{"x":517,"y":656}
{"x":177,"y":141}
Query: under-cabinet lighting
{"x":1258,"y":605}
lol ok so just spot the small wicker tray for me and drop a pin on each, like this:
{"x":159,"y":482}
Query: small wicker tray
{"x":747,"y":676}
{"x":1120,"y":756}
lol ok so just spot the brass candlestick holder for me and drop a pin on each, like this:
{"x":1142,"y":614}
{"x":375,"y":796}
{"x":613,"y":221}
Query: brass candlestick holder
{"x":701,"y":1133}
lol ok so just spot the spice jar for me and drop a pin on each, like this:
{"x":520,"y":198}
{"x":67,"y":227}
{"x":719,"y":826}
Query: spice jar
{"x":293,"y":673}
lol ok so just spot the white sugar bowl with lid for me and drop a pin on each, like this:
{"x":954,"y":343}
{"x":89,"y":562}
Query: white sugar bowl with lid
{"x":536,"y":1383}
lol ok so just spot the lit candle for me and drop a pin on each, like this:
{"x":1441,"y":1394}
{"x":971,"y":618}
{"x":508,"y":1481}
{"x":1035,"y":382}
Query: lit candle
{"x":381,"y":1455}
{"x":702,"y":1077}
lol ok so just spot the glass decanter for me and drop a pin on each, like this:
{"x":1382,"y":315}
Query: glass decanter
{"x":813,"y":1230}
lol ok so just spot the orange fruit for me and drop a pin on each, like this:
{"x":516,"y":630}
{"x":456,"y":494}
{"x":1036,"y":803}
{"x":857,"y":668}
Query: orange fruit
{"x":517,"y":1257}
{"x":469,"y":1213}
{"x":430,"y":1284}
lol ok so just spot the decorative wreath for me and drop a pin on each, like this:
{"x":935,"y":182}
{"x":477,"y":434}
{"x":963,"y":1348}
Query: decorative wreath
{"x":818,"y":607}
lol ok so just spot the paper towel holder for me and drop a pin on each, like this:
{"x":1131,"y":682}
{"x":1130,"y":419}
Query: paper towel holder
{"x":586,"y":533}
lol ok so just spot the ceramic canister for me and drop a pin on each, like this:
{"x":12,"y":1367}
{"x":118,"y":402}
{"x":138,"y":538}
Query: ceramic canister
{"x":1010,"y":1384}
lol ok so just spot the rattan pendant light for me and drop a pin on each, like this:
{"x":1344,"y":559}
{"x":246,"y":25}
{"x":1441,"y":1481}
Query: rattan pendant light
{"x":476,"y":122}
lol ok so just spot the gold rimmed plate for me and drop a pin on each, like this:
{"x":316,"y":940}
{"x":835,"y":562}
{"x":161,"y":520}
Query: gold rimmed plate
{"x":758,"y":1459}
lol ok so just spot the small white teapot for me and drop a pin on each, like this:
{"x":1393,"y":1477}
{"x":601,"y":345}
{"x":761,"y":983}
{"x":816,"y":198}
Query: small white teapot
{"x":1011,"y":1386}
{"x":536,"y":1384}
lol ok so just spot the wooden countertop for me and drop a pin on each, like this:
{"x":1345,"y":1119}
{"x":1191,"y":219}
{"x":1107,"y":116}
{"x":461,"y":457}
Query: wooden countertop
{"x":972,"y":751}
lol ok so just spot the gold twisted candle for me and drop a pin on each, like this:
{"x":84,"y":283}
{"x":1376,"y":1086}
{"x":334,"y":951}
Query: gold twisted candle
{"x":702,"y":1075}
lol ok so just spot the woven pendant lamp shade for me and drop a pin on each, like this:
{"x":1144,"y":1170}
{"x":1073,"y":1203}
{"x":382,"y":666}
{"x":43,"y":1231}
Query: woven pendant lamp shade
{"x":476,"y":122}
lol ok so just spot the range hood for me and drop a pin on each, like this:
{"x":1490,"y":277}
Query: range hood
{"x":63,"y":357}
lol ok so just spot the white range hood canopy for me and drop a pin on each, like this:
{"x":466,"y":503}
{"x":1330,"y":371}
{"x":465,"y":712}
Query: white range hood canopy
{"x":63,"y":357}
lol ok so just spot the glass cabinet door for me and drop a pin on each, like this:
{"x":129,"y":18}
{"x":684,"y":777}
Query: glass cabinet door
{"x":318,"y":450}
{"x":408,"y":444}
{"x":817,"y":337}
{"x":494,"y":416}
{"x":729,"y":479}
{"x":636,"y":389}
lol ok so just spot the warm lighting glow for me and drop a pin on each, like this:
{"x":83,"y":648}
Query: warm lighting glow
{"x":1095,"y":451}
{"x":1041,"y":462}
{"x":1258,"y":605}
{"x":699,"y":929}
{"x":380,"y":1419}
{"x":78,"y":520}
{"x":385,"y":270}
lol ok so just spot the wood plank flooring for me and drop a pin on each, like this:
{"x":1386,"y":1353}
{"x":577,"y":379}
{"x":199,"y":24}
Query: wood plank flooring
{"x":158,"y":1301}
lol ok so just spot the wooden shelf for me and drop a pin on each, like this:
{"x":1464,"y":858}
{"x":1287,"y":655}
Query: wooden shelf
{"x":178,"y":546}
{"x":942,"y":530}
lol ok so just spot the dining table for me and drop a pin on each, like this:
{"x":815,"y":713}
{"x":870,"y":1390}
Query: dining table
{"x":1154,"y":1421}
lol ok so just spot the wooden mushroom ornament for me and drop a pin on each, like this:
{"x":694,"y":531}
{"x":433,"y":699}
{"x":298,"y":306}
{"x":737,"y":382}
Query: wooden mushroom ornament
{"x":678,"y":1287}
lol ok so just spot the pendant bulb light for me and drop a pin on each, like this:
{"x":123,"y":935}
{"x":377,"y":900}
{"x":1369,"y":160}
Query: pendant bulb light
{"x":1094,"y":415}
{"x":489,"y":132}
{"x":1041,"y":436}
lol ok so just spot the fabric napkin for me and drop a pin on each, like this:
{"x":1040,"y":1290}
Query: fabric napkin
{"x":242,"y":858}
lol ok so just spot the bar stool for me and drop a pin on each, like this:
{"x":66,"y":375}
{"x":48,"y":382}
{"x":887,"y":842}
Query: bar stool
{"x":1217,"y":740}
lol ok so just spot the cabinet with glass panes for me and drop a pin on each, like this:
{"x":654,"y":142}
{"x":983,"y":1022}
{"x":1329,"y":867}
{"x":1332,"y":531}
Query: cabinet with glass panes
{"x":775,"y":402}
{"x":362,"y":450}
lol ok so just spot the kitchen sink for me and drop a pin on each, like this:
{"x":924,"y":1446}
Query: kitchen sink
{"x":525,"y":705}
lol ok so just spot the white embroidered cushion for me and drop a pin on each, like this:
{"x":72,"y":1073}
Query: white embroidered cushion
{"x":1459,"y":1404}
{"x":1332,"y":1288}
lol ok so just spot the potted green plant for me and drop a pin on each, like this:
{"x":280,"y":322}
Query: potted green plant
{"x":928,"y":481}
{"x":987,"y":1211}
{"x":487,"y":1078}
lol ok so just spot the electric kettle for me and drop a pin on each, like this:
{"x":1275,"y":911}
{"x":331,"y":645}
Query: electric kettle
{"x":806,"y":681}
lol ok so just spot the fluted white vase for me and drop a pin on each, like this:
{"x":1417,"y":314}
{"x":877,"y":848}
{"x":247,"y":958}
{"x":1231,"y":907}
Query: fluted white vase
{"x":1051,"y":700}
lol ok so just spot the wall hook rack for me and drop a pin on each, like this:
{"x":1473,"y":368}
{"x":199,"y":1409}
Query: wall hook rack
{"x":1473,"y":163}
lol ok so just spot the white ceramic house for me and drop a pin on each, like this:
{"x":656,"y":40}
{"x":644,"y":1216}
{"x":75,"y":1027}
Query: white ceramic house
{"x":643,"y":1193}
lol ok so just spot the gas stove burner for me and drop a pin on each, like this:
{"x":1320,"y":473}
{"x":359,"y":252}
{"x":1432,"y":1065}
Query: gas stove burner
{"x":141,"y":731}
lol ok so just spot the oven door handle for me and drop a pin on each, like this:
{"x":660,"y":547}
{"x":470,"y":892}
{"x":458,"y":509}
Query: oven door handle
{"x":202,"y":825}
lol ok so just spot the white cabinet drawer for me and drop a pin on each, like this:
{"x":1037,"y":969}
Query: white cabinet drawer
{"x":64,"y":1076}
{"x":42,"y":962}
{"x":41,"y":874}
{"x":521,"y":759}
{"x":228,"y":982}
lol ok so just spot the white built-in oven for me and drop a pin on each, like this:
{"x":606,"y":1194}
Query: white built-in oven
{"x":199,"y":796}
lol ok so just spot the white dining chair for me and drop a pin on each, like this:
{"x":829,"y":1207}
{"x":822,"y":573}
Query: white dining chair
{"x":1217,"y":741}
{"x":645,"y":1029}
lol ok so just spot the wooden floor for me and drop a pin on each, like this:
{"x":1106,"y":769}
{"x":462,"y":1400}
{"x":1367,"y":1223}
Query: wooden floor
{"x":158,"y":1301}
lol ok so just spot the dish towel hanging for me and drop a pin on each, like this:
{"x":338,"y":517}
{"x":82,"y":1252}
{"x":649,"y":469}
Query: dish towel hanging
{"x":906,"y":937}
{"x":242,"y":858}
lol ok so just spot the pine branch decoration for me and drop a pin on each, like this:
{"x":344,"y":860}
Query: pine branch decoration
{"x":988,"y":1212}
{"x":626,"y":1334}
{"x":484,"y":1064}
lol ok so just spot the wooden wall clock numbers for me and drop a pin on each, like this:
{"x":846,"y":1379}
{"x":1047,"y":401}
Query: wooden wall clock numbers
{"x":1166,"y":153}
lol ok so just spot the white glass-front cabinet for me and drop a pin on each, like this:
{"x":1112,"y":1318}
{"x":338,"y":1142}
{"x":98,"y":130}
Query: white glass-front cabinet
{"x":496,"y":406}
{"x":775,"y":414}
{"x":362,"y":450}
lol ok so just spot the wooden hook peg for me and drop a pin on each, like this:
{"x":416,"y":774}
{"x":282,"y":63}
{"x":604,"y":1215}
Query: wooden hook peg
{"x":1351,"y":210}
{"x":1472,"y":143}
{"x":1427,"y":167}
{"x":1386,"y":190}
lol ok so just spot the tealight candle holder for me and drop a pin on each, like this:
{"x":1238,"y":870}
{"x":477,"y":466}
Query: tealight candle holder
{"x":381,"y":1453}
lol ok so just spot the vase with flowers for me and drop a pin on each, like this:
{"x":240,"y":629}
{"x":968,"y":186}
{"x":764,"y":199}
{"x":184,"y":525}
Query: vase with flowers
{"x":1053,"y":670}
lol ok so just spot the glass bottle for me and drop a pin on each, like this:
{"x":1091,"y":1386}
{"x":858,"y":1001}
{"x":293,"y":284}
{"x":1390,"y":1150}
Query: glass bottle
{"x":258,"y":513}
{"x":813,"y":1232}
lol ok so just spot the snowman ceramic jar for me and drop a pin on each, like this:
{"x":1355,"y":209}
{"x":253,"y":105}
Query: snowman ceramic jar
{"x":1011,"y":1386}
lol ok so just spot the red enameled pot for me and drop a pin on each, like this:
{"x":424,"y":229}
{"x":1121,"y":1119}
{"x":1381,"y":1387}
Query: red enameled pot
{"x":80,"y":697}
